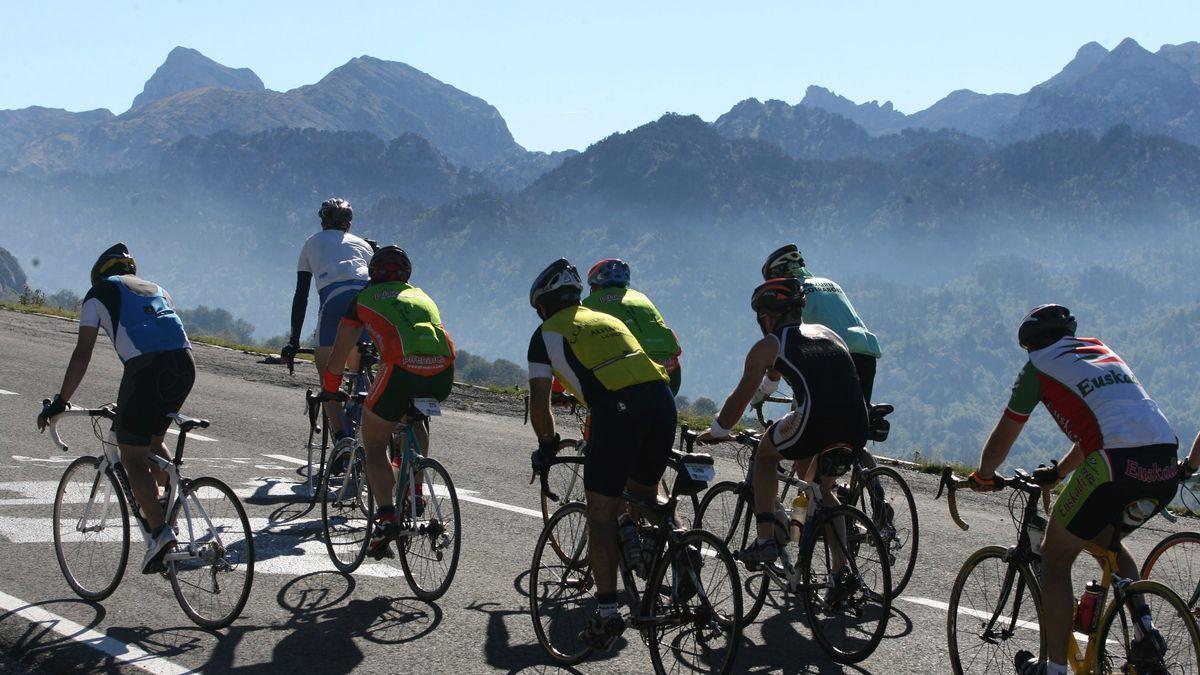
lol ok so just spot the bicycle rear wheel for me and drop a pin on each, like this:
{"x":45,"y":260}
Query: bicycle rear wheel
{"x":1175,"y":562}
{"x":212,"y":585}
{"x":429,"y":556}
{"x":894,"y":511}
{"x":995,"y":611}
{"x":847,"y":608}
{"x":91,"y":529}
{"x":346,"y":508}
{"x":1117,"y":652}
{"x":560,"y":588}
{"x":697,"y":609}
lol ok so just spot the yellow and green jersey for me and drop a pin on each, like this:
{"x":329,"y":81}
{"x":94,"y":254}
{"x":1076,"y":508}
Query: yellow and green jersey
{"x":640,"y":316}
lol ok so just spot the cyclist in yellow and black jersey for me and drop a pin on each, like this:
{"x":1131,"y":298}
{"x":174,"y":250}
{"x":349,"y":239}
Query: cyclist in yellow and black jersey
{"x":599,"y":361}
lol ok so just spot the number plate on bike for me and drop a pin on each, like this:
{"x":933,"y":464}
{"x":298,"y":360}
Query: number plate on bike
{"x":701,"y":472}
{"x":429,"y":407}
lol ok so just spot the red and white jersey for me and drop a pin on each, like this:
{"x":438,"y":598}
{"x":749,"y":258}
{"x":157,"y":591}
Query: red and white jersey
{"x":1092,"y":395}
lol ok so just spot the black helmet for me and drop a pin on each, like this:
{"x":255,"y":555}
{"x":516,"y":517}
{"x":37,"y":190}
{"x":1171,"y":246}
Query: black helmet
{"x":784,"y":261}
{"x":114,"y":261}
{"x":558,"y":284}
{"x":1045,"y":325}
{"x":777,"y":296}
{"x":389,"y":263}
{"x":335,"y":212}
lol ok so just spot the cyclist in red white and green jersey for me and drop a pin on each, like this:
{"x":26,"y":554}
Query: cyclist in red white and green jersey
{"x":1123,"y":456}
{"x":611,"y":294}
{"x":418,"y":362}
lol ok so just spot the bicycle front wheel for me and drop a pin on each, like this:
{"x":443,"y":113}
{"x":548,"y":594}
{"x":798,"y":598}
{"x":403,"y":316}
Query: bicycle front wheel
{"x":697,"y":610}
{"x":885,"y":497}
{"x":91,"y":529}
{"x":560,"y":587}
{"x":429,"y":555}
{"x":565,"y":480}
{"x":846,"y":584}
{"x":727,"y":513}
{"x":1175,"y":562}
{"x":212,"y":584}
{"x":346,"y":509}
{"x":995,"y":611}
{"x":1118,"y":653}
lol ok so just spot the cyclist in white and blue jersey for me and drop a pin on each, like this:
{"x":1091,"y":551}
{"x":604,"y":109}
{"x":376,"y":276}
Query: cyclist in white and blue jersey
{"x":337,"y":262}
{"x":139,"y":317}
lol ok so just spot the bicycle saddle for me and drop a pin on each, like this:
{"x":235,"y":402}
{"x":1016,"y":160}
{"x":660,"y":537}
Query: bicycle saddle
{"x":835,"y":460}
{"x":186,"y":423}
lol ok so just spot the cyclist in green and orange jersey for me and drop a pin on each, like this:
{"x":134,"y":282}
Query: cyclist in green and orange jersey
{"x":611,"y":294}
{"x":418,"y":362}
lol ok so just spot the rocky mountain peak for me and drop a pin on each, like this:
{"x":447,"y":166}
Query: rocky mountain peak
{"x":186,"y":69}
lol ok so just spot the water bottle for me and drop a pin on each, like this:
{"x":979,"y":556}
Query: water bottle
{"x":1137,"y":512}
{"x":631,"y":544}
{"x":1037,"y":531}
{"x":1085,"y":613}
{"x":799,"y":516}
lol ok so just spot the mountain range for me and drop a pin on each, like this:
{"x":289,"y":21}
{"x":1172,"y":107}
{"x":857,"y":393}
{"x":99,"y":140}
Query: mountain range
{"x":943,"y":224}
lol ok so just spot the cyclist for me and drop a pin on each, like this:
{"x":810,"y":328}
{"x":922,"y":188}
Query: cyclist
{"x":1123,"y":455}
{"x":337,"y":262}
{"x":829,"y":408}
{"x":417,"y":357}
{"x":826,"y":304}
{"x":600,"y":362}
{"x":610,"y":293}
{"x":139,"y":318}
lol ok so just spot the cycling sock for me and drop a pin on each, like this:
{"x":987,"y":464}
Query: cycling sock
{"x":1142,"y":622}
{"x":1055,"y":668}
{"x":386,"y":513}
{"x":607,"y":604}
{"x":765,"y":517}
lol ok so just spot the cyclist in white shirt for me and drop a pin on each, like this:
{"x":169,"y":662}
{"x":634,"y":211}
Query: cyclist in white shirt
{"x":336,"y":261}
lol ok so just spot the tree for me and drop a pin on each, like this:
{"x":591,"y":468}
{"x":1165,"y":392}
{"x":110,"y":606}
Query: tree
{"x":705,"y":406}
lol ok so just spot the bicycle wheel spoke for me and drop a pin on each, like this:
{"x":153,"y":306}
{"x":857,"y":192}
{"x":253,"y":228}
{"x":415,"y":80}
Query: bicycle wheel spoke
{"x":561,"y":589}
{"x":214,"y":569}
{"x":431,"y":522}
{"x":1122,"y":648}
{"x":994,"y":614}
{"x":91,"y":529}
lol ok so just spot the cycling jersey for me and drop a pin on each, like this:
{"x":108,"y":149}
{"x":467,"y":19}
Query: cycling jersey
{"x":137,"y":315}
{"x":640,"y":316}
{"x":591,"y":353}
{"x":1092,"y":394}
{"x":405,"y":325}
{"x":828,"y":403}
{"x":826,"y":304}
{"x":333,"y":256}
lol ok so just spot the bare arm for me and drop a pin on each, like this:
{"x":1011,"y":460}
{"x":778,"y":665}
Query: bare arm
{"x":1071,"y":460}
{"x":762,"y":355}
{"x":999,"y":442}
{"x":1193,"y":458}
{"x":80,"y":358}
{"x":539,"y":408}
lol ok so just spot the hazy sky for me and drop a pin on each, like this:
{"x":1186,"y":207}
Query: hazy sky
{"x":565,"y":74}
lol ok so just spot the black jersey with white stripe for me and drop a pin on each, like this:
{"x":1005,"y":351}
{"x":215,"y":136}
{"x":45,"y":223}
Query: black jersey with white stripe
{"x":829,"y":406}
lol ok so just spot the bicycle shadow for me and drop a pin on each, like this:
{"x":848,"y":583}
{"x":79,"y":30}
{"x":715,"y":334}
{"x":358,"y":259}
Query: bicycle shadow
{"x":500,"y":653}
{"x":37,"y":639}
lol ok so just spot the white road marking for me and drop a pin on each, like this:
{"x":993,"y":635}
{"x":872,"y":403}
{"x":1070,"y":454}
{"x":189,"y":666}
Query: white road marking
{"x":119,"y":651}
{"x":44,"y":460}
{"x":498,"y":505}
{"x":5,"y":392}
{"x":192,"y":435}
{"x":945,"y":607}
{"x":287,"y":458}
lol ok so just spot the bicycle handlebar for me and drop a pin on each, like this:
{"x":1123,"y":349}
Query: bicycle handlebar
{"x":542,"y":469}
{"x":1022,"y":481}
{"x":72,"y":411}
{"x":759,"y":406}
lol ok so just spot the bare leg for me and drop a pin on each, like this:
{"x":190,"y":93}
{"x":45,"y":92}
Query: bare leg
{"x":135,"y":459}
{"x":1059,"y":550}
{"x":333,"y":409}
{"x":376,"y":432}
{"x":766,"y":483}
{"x":602,"y":515}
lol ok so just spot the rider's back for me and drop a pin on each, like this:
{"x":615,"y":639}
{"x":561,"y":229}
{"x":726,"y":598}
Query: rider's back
{"x":826,"y":304}
{"x":137,"y":315}
{"x":817,"y":366}
{"x":334,"y":256}
{"x":639,"y":315}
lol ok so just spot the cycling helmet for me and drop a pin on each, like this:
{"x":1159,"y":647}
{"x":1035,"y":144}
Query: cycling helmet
{"x":389,"y":263}
{"x":609,"y":272}
{"x":778,"y":295}
{"x":113,"y":262}
{"x":784,"y":261}
{"x":1044,"y":325}
{"x":335,"y":212}
{"x":558,"y":284}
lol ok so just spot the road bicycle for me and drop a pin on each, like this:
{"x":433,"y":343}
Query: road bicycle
{"x":319,"y":441}
{"x":689,"y":608}
{"x":996,"y":603}
{"x":211,"y":568}
{"x":836,"y":562}
{"x":429,"y":537}
{"x":1175,"y":561}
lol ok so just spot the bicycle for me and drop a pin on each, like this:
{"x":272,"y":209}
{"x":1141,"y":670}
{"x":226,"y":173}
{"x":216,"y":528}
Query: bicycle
{"x":427,"y":512}
{"x":1175,"y":561}
{"x":693,"y":617}
{"x":829,"y":533}
{"x":353,"y":381}
{"x":211,"y":568}
{"x":995,"y":628}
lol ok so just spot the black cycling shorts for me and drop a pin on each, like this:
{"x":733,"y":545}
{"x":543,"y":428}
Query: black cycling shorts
{"x":1106,"y":488}
{"x":632,"y":432}
{"x":153,"y":385}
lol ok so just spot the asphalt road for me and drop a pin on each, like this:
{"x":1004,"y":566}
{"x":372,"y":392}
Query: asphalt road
{"x":305,"y":617}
